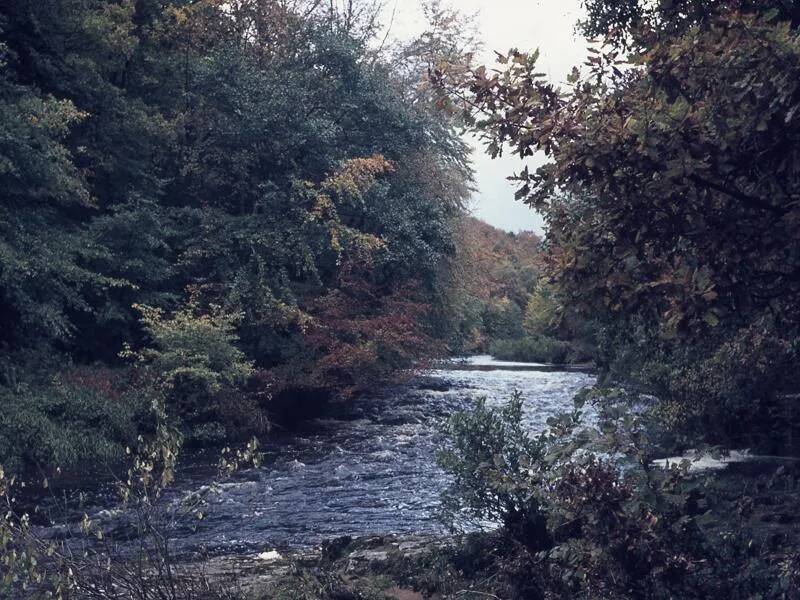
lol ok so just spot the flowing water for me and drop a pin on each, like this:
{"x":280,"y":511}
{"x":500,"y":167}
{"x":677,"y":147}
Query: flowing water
{"x":368,"y":467}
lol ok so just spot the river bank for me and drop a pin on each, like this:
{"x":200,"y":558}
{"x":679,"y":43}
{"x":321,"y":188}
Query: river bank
{"x":366,"y":567}
{"x":748,"y":500}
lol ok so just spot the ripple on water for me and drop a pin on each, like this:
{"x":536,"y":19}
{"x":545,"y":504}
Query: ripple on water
{"x":370,"y":470}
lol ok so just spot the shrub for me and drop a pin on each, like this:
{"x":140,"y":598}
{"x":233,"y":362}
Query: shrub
{"x":194,"y":357}
{"x":593,"y":518}
{"x":80,"y":416}
{"x":538,"y":348}
{"x":489,"y":459}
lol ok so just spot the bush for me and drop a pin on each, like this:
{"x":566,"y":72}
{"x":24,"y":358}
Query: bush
{"x":539,"y":349}
{"x":489,"y":458}
{"x":80,"y":416}
{"x":730,"y":390}
{"x":593,"y":518}
{"x":195,"y":359}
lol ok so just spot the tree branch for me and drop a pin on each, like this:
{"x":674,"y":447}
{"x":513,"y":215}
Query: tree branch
{"x":753,"y":202}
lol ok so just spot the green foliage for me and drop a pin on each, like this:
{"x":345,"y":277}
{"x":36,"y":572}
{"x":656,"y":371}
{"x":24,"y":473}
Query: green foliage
{"x":542,"y":312}
{"x":599,"y":519}
{"x":538,"y":349}
{"x":265,"y":158}
{"x":194,"y":358}
{"x":42,"y":275}
{"x":489,"y":459}
{"x":76,"y":417}
{"x":502,"y":319}
{"x":631,"y":23}
{"x":670,"y":187}
{"x":194,"y":350}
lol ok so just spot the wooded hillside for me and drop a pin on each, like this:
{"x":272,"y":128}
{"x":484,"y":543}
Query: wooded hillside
{"x":238,"y":198}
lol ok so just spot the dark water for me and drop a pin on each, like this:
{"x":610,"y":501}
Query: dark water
{"x":366,"y":468}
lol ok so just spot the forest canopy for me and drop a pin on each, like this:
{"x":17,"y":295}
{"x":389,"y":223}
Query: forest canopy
{"x":235,"y":198}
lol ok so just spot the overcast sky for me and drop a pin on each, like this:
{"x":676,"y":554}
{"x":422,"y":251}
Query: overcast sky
{"x":525,"y":24}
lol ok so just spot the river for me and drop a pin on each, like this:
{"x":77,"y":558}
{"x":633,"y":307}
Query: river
{"x":367,"y":467}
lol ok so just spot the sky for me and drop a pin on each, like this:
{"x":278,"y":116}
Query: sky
{"x":504,"y":24}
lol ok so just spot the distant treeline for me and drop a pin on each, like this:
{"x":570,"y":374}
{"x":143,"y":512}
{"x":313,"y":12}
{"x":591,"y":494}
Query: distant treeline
{"x":502,"y":303}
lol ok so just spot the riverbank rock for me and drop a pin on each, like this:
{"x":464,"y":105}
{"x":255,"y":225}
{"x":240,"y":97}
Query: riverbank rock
{"x":352,"y":564}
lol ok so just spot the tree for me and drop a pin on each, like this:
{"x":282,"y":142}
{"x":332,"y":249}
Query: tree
{"x":268,"y":158}
{"x":670,"y":190}
{"x":42,"y":270}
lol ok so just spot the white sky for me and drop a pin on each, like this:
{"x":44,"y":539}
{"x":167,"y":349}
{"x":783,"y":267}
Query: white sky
{"x":525,"y":24}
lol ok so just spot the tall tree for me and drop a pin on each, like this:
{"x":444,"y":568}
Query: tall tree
{"x":671,"y":193}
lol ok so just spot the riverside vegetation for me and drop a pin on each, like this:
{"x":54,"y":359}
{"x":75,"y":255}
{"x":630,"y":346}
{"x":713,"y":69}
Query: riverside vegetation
{"x":214,"y":212}
{"x":242,"y":200}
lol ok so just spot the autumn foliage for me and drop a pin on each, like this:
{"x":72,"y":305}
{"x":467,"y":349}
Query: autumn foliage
{"x":235,"y":199}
